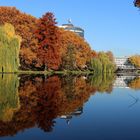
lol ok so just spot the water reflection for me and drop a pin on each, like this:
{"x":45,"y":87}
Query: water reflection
{"x":29,"y":101}
{"x":132,"y":82}
{"x":9,"y":98}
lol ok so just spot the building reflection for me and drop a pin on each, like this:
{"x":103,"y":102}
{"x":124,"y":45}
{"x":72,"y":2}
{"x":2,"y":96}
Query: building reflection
{"x":69,"y":117}
{"x":127,"y":81}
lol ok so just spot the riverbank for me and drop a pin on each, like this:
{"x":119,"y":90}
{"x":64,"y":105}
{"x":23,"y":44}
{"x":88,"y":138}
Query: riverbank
{"x":65,"y":72}
{"x":68,"y":72}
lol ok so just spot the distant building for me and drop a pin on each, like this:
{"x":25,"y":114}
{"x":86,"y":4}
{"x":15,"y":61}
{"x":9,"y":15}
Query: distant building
{"x":123,"y":63}
{"x":70,"y":27}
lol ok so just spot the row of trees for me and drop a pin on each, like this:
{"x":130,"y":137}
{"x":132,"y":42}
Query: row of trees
{"x":103,"y":63}
{"x":9,"y":48}
{"x":46,"y":46}
{"x":24,"y":27}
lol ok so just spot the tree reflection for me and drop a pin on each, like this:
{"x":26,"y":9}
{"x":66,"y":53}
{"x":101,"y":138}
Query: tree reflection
{"x":135,"y":83}
{"x":42,"y":100}
{"x":9,"y":99}
{"x":102,"y":82}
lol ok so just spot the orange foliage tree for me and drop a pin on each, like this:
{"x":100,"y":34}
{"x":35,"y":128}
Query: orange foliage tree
{"x":44,"y":45}
{"x":48,"y":34}
{"x":24,"y":25}
{"x":81,"y":47}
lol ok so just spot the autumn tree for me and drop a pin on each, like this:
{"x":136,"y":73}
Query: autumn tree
{"x":110,"y":56}
{"x":135,"y":60}
{"x":82,"y":48}
{"x":94,"y":54}
{"x":25,"y":26}
{"x":9,"y":49}
{"x":48,"y":39}
{"x":69,"y":59}
{"x":135,"y":83}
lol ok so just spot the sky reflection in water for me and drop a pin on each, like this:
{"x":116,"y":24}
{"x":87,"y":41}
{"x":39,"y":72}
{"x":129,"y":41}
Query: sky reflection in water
{"x":69,"y":107}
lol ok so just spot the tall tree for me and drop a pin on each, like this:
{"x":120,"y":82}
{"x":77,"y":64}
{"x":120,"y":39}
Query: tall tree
{"x":82,"y":48}
{"x":24,"y":25}
{"x":69,"y":59}
{"x":9,"y":49}
{"x":48,"y":39}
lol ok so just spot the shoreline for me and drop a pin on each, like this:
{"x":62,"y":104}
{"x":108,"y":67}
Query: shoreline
{"x":68,"y":72}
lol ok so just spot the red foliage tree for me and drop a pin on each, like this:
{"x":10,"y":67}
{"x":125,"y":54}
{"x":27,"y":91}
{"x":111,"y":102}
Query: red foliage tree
{"x":48,"y":39}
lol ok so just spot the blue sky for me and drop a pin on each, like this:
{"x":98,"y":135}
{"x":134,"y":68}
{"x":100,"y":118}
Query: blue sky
{"x":109,"y":24}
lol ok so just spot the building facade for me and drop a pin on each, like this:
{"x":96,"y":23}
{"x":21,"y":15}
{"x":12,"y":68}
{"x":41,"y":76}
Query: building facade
{"x":70,"y":27}
{"x":123,"y":63}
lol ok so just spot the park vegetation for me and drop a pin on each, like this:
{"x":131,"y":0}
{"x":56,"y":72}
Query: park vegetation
{"x":45,"y":46}
{"x":135,"y":60}
{"x":9,"y":48}
{"x":135,"y":83}
{"x":103,"y":62}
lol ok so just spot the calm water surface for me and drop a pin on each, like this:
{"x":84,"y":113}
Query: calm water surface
{"x":100,"y":107}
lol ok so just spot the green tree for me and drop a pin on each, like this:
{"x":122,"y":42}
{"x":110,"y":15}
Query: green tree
{"x":9,"y":98}
{"x":96,"y":65}
{"x":69,"y":59}
{"x":103,"y":63}
{"x":9,"y":49}
{"x":107,"y":64}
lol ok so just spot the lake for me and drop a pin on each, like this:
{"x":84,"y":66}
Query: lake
{"x":66,"y":107}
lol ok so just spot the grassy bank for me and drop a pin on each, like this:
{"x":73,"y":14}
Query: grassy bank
{"x":65,"y":72}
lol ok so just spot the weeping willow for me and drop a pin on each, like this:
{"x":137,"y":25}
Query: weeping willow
{"x":9,"y":98}
{"x":9,"y":49}
{"x":102,"y":82}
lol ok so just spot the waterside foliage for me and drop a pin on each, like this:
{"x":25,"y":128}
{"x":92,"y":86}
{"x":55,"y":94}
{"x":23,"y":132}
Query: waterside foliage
{"x":44,"y":46}
{"x":9,"y":49}
{"x":9,"y":97}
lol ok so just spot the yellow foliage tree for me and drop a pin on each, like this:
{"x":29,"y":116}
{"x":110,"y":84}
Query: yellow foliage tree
{"x":135,"y":60}
{"x":9,"y":98}
{"x":135,"y":84}
{"x":9,"y":48}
